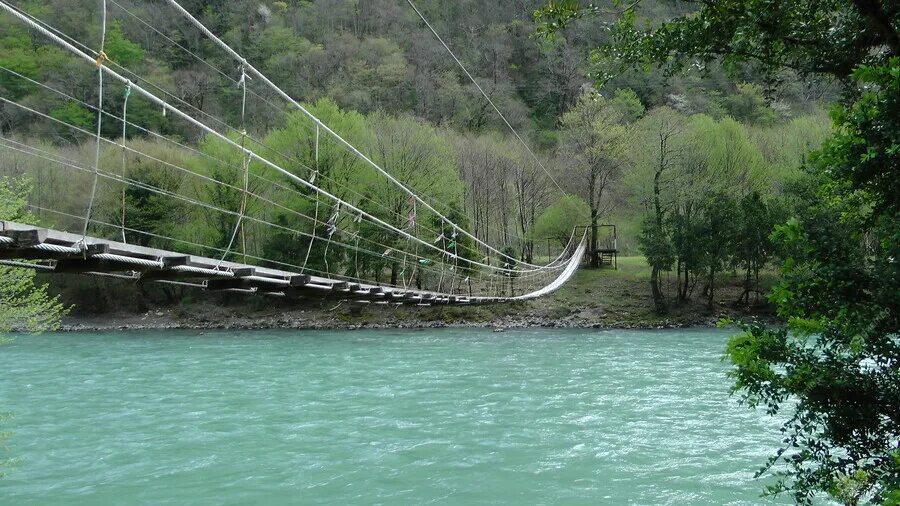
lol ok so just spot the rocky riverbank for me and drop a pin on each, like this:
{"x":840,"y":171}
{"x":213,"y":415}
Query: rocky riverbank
{"x":301,"y":320}
{"x":592,"y":299}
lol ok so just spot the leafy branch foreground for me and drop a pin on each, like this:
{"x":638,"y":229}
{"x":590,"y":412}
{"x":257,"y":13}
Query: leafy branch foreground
{"x":24,"y":306}
{"x":834,"y":364}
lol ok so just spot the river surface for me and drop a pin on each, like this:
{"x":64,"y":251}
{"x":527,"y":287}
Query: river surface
{"x":391,"y":417}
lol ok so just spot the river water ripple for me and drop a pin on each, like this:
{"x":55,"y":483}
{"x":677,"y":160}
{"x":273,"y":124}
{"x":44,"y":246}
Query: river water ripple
{"x":411,"y":417}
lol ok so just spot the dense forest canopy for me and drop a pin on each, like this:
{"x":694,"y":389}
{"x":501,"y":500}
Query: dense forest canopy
{"x":374,"y":61}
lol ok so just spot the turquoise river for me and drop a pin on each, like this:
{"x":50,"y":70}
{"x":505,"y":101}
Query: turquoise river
{"x":378,"y":417}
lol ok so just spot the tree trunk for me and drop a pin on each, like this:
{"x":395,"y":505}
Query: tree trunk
{"x":712,"y":286}
{"x":748,"y":284}
{"x":595,"y":259}
{"x":654,"y":288}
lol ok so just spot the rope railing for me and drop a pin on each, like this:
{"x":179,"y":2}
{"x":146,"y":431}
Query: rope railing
{"x":343,"y":142}
{"x":219,"y":161}
{"x":457,"y":279}
{"x":444,"y":264}
{"x":170,"y":96}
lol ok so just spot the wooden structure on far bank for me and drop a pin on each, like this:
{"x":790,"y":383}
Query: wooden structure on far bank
{"x":606,"y":251}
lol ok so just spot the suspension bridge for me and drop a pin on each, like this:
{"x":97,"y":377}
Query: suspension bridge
{"x":334,"y":240}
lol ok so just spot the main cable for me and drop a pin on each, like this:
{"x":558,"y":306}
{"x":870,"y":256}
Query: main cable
{"x":463,"y":67}
{"x":277,"y":168}
{"x":347,"y":145}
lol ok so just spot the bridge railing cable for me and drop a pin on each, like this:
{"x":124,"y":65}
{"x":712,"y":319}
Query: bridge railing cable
{"x":441,"y":260}
{"x":248,"y":152}
{"x":170,"y":96}
{"x":343,"y":142}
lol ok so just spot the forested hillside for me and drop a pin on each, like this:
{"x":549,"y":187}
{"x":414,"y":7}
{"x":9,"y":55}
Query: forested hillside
{"x":629,"y":149}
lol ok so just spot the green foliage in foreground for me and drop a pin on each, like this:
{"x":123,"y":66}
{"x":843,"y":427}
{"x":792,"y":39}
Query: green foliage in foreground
{"x":23,"y":305}
{"x":839,"y":355}
{"x":834,"y":366}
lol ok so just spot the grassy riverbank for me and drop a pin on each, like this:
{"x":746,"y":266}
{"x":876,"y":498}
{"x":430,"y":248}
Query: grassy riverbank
{"x":593,"y":298}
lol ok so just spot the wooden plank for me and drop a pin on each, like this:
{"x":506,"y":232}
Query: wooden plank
{"x":27,"y":238}
{"x":173,"y":261}
{"x":299,"y":280}
{"x":260,"y":282}
{"x":241,"y":272}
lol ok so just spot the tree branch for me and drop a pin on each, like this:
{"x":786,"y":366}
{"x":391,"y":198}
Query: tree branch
{"x":880,"y":21}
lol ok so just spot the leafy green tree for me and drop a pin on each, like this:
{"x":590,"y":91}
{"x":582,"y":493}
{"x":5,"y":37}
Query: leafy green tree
{"x":656,"y":246}
{"x":834,"y":365}
{"x":18,"y":59}
{"x":749,"y":106}
{"x":785,"y":147}
{"x":294,"y":147}
{"x":73,"y":114}
{"x":753,"y":243}
{"x":119,"y":49}
{"x":627,"y":105}
{"x":718,"y":227}
{"x":595,"y":138}
{"x":687,"y":243}
{"x":651,"y":180}
{"x":414,"y":154}
{"x":560,"y":218}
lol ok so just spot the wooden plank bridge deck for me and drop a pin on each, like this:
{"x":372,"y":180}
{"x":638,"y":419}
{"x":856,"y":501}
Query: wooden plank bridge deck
{"x":63,"y":252}
{"x":66,"y":253}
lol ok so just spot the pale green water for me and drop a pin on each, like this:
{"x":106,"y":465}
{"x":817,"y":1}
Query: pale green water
{"x":451,"y":417}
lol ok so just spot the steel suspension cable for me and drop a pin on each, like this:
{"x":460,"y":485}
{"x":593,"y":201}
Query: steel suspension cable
{"x":124,"y":150}
{"x":347,"y":145}
{"x":100,"y":57}
{"x":187,"y":148}
{"x":496,"y":109}
{"x":153,"y":98}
